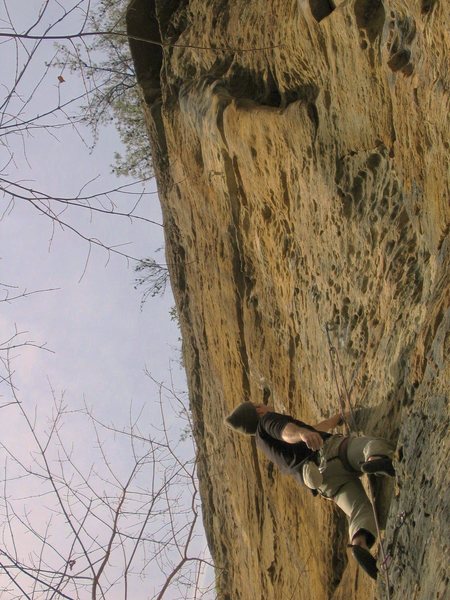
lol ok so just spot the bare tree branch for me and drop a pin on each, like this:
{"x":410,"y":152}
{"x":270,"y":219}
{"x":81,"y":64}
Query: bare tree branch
{"x":78,"y":521}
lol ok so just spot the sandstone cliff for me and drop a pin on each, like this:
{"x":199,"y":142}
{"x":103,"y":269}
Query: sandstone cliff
{"x":302,"y":162}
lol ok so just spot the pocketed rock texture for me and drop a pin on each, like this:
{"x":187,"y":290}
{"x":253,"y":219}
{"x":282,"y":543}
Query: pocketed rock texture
{"x":301,"y":155}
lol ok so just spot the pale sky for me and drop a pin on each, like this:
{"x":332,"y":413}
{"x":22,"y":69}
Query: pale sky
{"x":100,"y":339}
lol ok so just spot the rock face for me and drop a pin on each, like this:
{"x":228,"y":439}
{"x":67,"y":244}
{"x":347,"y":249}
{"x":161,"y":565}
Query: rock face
{"x":301,"y":152}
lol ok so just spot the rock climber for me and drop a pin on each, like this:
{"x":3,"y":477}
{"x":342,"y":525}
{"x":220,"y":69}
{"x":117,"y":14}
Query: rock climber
{"x":329,"y":464}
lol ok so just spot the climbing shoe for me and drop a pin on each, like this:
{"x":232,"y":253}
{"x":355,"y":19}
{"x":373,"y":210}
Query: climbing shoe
{"x":379,"y":466}
{"x":365,"y":560}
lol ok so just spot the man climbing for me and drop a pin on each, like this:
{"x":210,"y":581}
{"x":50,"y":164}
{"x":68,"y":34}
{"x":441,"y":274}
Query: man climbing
{"x":330,"y":465}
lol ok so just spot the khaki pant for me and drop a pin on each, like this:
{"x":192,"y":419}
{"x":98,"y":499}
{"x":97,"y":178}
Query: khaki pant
{"x":345,"y":488}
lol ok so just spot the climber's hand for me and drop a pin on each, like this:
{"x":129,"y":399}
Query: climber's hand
{"x":312,"y":439}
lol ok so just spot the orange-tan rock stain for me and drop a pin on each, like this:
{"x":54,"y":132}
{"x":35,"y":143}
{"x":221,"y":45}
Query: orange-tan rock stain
{"x":301,"y":155}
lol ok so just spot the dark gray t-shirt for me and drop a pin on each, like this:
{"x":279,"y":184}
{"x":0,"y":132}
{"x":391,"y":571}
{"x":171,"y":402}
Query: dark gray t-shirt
{"x":288,"y":457}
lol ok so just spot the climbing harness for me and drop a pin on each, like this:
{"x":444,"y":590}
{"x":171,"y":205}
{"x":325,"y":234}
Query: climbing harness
{"x":350,"y":425}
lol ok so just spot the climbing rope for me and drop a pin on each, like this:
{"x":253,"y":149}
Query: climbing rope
{"x":384,"y":558}
{"x":350,"y":426}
